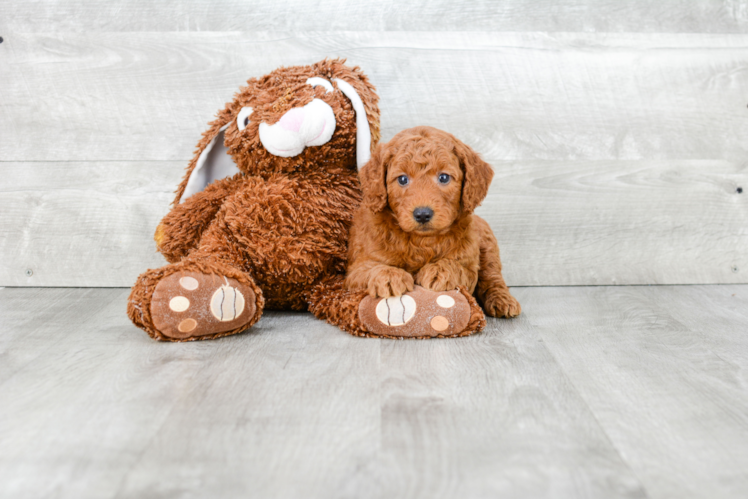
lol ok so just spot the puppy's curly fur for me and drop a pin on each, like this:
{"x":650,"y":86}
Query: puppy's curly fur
{"x":390,"y":250}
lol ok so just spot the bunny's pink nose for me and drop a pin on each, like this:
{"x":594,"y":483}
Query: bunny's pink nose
{"x":292,"y":120}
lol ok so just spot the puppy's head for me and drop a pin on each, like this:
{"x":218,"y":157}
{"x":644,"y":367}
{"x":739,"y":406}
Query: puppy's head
{"x":427,"y":178}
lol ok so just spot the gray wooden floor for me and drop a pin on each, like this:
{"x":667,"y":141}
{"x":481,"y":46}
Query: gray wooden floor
{"x":593,"y":391}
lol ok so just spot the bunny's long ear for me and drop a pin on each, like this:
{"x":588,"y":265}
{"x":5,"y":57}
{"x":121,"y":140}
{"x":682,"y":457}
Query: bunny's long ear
{"x":355,"y":85}
{"x":363,"y":129}
{"x":211,"y":161}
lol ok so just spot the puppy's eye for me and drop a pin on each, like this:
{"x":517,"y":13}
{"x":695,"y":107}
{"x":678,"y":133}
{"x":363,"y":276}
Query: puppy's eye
{"x":444,"y":178}
{"x":403,"y":180}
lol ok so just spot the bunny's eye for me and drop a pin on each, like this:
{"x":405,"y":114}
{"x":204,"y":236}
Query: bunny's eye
{"x":242,"y":119}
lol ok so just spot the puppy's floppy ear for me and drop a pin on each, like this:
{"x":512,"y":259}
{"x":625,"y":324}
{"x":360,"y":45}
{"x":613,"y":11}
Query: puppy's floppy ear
{"x":373,"y":178}
{"x":477,"y":176}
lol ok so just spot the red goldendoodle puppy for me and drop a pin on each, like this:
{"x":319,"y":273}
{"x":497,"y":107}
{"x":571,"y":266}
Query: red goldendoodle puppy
{"x":416,"y":225}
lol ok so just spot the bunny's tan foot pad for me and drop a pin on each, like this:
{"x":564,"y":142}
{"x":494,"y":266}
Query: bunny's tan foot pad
{"x":420,"y":314}
{"x":190,"y":305}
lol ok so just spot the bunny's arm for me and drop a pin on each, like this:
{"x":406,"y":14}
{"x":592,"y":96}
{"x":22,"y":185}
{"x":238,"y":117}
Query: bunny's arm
{"x":180,"y":230}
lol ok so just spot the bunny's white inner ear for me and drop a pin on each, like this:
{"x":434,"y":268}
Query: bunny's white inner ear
{"x":363,"y":133}
{"x":213,"y":164}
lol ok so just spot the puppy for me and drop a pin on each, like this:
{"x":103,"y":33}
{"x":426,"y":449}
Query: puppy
{"x":415,"y":225}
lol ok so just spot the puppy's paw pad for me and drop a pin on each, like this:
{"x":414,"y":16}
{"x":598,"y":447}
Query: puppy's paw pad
{"x":420,"y":313}
{"x":191,"y":305}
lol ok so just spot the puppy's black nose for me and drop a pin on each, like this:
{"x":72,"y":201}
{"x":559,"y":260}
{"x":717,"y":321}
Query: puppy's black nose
{"x":423,"y":214}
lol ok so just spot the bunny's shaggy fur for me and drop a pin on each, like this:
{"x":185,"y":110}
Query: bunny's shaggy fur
{"x":278,"y":230}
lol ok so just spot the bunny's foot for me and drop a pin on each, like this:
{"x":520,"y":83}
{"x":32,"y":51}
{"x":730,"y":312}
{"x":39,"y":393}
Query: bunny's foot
{"x":192,"y":304}
{"x":419,"y":314}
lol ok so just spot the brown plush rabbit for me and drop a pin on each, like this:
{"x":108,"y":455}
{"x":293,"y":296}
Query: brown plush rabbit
{"x":261,"y":218}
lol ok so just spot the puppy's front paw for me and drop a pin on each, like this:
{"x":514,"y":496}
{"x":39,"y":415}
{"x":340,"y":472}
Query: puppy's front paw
{"x":502,"y":306}
{"x":390,"y":282}
{"x":438,"y":277}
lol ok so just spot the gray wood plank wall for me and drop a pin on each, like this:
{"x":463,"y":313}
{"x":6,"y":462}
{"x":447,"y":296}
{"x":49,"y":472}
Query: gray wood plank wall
{"x":617,"y":130}
{"x":665,"y":16}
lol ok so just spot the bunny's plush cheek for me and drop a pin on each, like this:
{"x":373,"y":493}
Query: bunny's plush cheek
{"x":311,"y":125}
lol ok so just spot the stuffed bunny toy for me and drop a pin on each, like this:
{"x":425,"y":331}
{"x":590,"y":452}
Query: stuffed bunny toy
{"x":261,"y":217}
